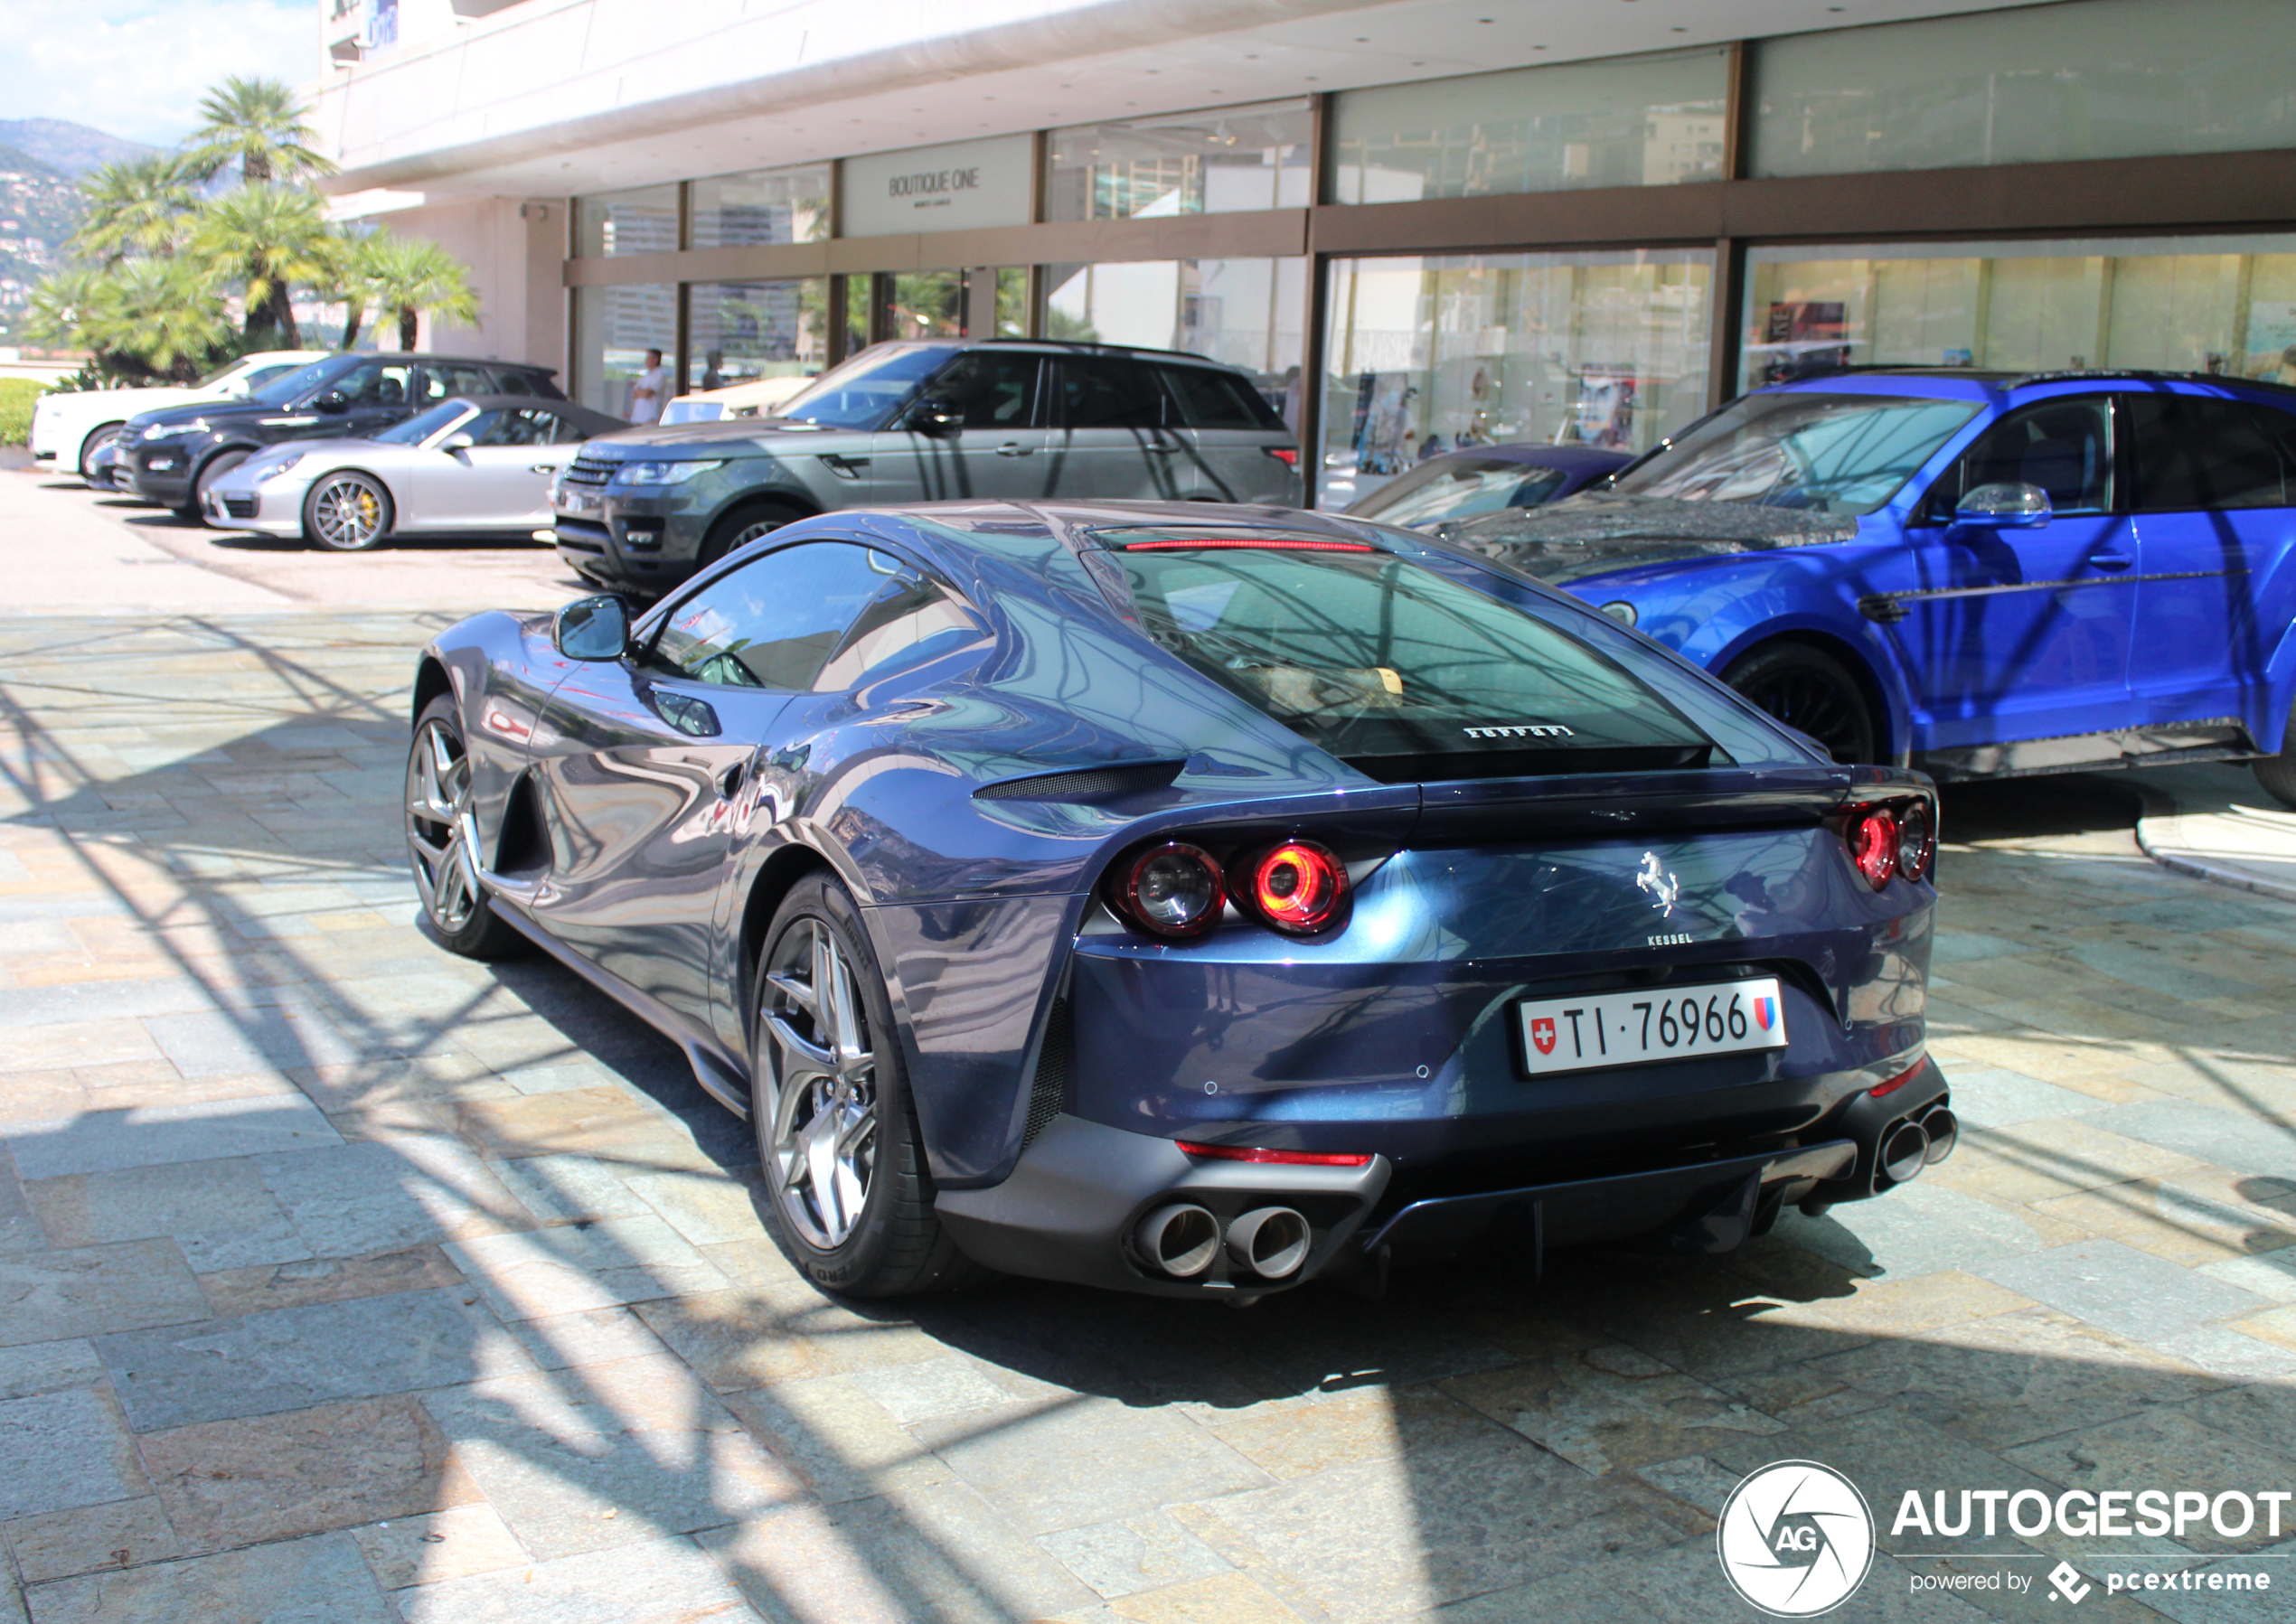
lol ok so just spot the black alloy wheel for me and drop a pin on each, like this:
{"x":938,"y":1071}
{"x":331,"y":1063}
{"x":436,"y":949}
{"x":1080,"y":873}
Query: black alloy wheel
{"x":440,"y":834}
{"x":744,"y":525}
{"x":1809,"y":689}
{"x":93,"y":444}
{"x":214,"y":469}
{"x":2277,"y":774}
{"x":849,"y":1193}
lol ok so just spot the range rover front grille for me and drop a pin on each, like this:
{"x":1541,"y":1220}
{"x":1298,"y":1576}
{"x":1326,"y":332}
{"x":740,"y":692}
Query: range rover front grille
{"x":590,"y":472}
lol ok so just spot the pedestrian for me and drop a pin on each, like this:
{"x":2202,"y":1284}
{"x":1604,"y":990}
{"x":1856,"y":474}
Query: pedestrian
{"x":649,"y":391}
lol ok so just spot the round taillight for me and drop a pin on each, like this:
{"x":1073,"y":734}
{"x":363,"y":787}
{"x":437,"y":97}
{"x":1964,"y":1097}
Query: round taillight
{"x":1299,"y":886}
{"x":1916,"y":843}
{"x":1873,"y":845}
{"x":1173,"y":891}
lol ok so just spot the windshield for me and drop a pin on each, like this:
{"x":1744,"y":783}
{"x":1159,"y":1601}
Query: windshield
{"x":1459,"y":487}
{"x":416,"y":429}
{"x":863,"y":392}
{"x":1834,"y":454}
{"x":219,"y":374}
{"x":1401,"y":673}
{"x":282,"y":392}
{"x":693,"y":411}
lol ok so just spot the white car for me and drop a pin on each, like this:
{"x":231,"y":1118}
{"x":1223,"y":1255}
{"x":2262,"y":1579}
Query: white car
{"x":69,"y":428}
{"x":475,"y":463}
{"x":758,"y":397}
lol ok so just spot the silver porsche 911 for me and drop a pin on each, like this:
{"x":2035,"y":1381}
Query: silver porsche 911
{"x":472,"y":463}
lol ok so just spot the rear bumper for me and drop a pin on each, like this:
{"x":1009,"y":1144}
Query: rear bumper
{"x":1071,"y":1207}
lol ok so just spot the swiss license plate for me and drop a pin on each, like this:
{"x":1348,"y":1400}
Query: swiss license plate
{"x":1652,"y":1023}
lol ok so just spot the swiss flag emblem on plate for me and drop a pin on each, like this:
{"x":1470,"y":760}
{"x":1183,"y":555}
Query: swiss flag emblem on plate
{"x":1542,"y":1033}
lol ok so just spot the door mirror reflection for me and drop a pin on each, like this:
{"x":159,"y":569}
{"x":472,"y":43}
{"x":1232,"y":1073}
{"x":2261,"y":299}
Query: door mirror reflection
{"x":2008,"y":505}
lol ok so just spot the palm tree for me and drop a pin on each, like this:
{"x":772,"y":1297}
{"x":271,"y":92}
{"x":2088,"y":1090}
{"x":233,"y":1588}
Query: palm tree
{"x":145,"y":318}
{"x":138,"y":206}
{"x":407,"y":276}
{"x":268,"y":239}
{"x":256,"y":124}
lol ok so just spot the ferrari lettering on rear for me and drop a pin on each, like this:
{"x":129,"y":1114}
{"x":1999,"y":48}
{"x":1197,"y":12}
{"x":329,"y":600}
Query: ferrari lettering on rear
{"x":1520,"y":730}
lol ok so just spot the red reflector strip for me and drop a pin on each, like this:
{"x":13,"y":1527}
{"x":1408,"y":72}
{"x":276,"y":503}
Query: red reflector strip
{"x":1226,"y":543}
{"x":1297,"y":1158}
{"x":1900,"y":1080}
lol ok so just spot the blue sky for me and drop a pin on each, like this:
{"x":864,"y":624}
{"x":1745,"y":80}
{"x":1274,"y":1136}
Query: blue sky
{"x":138,"y":68}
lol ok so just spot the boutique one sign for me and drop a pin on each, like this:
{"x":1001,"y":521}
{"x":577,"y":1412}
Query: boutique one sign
{"x":958,"y":187}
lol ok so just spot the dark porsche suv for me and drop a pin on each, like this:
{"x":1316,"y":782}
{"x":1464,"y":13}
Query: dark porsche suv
{"x":172,"y":456}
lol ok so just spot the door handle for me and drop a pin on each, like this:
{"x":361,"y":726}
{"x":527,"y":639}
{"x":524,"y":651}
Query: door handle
{"x":543,"y":468}
{"x":1161,"y":450}
{"x":1014,"y":448}
{"x":2110,"y":560}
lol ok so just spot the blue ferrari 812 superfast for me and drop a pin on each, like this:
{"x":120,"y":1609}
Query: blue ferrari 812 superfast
{"x":1195,"y":900}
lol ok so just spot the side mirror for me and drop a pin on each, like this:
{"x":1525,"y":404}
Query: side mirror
{"x":933,"y":417}
{"x":334,"y":401}
{"x":457,"y":442}
{"x":592,"y":628}
{"x":2007,"y":506}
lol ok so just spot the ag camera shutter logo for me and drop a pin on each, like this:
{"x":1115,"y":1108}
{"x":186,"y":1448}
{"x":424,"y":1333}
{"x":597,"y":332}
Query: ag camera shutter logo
{"x":1795,"y":1539}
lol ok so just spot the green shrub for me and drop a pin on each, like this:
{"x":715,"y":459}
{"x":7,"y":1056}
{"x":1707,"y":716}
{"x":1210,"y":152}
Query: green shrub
{"x":16,"y":396}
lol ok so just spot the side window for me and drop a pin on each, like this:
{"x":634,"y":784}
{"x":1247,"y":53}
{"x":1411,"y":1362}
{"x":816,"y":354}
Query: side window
{"x":911,"y":620}
{"x":520,"y":428}
{"x":989,"y":389}
{"x":566,"y":431}
{"x":512,"y":383}
{"x":378,"y":385}
{"x":443,"y":382}
{"x":774,"y":621}
{"x":2194,"y":452}
{"x":1100,"y":392}
{"x":485,"y":429}
{"x":1213,"y":399}
{"x":2065,"y":447}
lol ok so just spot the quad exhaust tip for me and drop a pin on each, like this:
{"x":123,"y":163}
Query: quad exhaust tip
{"x":1180,"y":1239}
{"x":1906,"y":1152}
{"x":1944,"y":1130}
{"x":1270,"y":1242}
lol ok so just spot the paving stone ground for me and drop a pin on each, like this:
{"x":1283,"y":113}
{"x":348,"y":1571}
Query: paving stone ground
{"x":341,"y":1280}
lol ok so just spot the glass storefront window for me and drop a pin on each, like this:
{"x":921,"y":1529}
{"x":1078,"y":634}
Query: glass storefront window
{"x":643,"y":221}
{"x":1636,"y":121}
{"x":1249,"y":313}
{"x":2100,"y":79}
{"x":1428,"y":355}
{"x":922,"y":304}
{"x":2216,"y":303}
{"x":744,"y":331}
{"x":762,"y":206}
{"x":614,"y":327}
{"x":1212,"y":163}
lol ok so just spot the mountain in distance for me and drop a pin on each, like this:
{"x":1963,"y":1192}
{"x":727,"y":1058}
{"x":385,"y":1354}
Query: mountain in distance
{"x":61,"y":145}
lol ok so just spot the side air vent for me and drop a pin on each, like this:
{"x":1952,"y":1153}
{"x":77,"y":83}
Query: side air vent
{"x":1087,"y":784}
{"x":1051,"y":1084}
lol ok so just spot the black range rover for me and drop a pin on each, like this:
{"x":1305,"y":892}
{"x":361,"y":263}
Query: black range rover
{"x":170,"y":456}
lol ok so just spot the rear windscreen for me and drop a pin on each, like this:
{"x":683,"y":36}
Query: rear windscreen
{"x":1401,"y":673}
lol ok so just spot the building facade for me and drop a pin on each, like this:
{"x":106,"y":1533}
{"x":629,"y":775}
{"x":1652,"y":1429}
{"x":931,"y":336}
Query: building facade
{"x":1418,"y":225}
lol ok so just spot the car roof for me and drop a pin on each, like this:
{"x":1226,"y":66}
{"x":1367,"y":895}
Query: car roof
{"x":1071,"y":346}
{"x":459,"y":361}
{"x":581,"y":414}
{"x":1968,"y":383}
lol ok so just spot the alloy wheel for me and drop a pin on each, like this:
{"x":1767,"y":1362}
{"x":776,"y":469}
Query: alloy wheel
{"x":823,"y":1081}
{"x":1814,"y":702}
{"x":437,"y":817}
{"x":347,"y":512}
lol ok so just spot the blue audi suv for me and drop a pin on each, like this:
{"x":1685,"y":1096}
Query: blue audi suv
{"x":1973,"y":573}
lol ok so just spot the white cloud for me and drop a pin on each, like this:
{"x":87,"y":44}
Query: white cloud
{"x":138,"y":68}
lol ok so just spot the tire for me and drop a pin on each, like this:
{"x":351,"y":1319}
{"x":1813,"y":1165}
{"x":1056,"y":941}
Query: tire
{"x":103,"y":437}
{"x":437,"y":801}
{"x":870,"y":1231}
{"x":1809,"y":689}
{"x":2277,"y":774}
{"x":743,"y":526}
{"x":346,"y":512}
{"x":214,"y":469}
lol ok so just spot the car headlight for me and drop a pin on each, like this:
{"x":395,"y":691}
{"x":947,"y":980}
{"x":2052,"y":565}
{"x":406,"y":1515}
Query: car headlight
{"x":168,"y":431}
{"x":662,"y":473}
{"x":277,"y":464}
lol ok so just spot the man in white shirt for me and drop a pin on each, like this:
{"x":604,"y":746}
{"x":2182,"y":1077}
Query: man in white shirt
{"x":649,"y":391}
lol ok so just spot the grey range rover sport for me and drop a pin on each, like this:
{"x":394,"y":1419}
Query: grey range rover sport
{"x":1017,"y":419}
